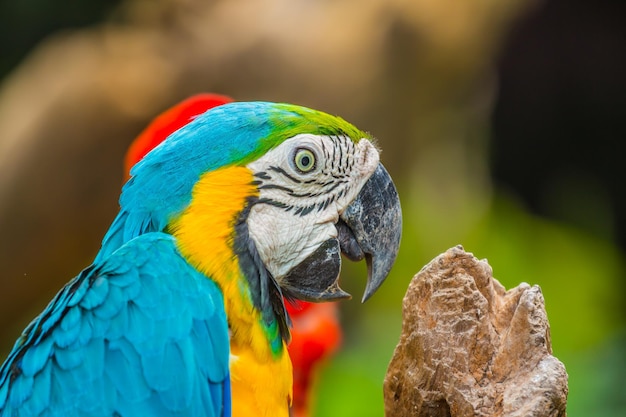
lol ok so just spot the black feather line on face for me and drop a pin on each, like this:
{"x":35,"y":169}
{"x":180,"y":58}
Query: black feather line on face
{"x":262,"y":175}
{"x":273,"y":203}
{"x":285,"y":174}
{"x":266,"y":294}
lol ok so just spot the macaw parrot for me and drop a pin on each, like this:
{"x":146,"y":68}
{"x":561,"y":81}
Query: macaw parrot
{"x":316,"y":331}
{"x":182,"y":308}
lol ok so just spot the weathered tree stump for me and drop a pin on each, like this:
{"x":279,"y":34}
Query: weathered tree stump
{"x":470,"y":348}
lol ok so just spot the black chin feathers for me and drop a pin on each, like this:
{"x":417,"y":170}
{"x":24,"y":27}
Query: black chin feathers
{"x":266,"y":294}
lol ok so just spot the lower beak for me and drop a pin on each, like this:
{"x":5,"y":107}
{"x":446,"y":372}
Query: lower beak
{"x":370,"y":228}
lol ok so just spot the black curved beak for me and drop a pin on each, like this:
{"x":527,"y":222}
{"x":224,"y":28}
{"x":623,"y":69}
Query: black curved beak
{"x":370,"y":228}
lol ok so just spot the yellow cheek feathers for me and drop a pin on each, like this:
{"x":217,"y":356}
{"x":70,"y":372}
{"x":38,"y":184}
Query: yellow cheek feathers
{"x":204,"y":231}
{"x":252,"y":381}
{"x":205,"y":234}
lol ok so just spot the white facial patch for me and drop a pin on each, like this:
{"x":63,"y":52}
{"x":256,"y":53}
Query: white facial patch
{"x":305,"y":184}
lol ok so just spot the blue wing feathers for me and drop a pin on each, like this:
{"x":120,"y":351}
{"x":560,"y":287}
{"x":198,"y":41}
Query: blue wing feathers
{"x":40,"y":397}
{"x":126,"y":376}
{"x":139,"y":333}
{"x":97,"y":294}
{"x":107,"y":311}
{"x":67,"y":359}
{"x":35,"y":359}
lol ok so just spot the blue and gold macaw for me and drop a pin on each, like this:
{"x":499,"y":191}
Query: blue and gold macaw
{"x":181,"y":313}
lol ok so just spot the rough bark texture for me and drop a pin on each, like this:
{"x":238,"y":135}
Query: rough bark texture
{"x":470,"y":348}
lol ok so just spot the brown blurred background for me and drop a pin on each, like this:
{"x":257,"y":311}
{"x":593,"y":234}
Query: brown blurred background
{"x":499,"y":120}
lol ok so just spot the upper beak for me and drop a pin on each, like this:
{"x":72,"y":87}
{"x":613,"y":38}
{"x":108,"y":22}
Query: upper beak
{"x":372,"y":228}
{"x":369,"y":228}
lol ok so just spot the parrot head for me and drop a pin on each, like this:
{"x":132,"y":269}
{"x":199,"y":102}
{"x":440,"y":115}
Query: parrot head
{"x":324,"y":195}
{"x":309,"y":187}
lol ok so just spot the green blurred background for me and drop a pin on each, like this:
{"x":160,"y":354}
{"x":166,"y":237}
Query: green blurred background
{"x":499,"y":121}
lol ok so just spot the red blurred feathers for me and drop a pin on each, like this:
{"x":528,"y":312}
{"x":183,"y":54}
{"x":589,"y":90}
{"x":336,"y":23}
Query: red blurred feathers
{"x":316,"y":333}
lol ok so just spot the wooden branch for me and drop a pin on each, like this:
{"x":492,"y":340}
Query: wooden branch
{"x":470,"y":348}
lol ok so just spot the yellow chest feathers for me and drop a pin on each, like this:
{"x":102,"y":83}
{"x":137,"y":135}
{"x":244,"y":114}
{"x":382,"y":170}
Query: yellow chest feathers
{"x":253,"y":380}
{"x":261,"y":381}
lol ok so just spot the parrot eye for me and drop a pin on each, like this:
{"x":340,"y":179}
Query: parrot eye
{"x":304,"y":160}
